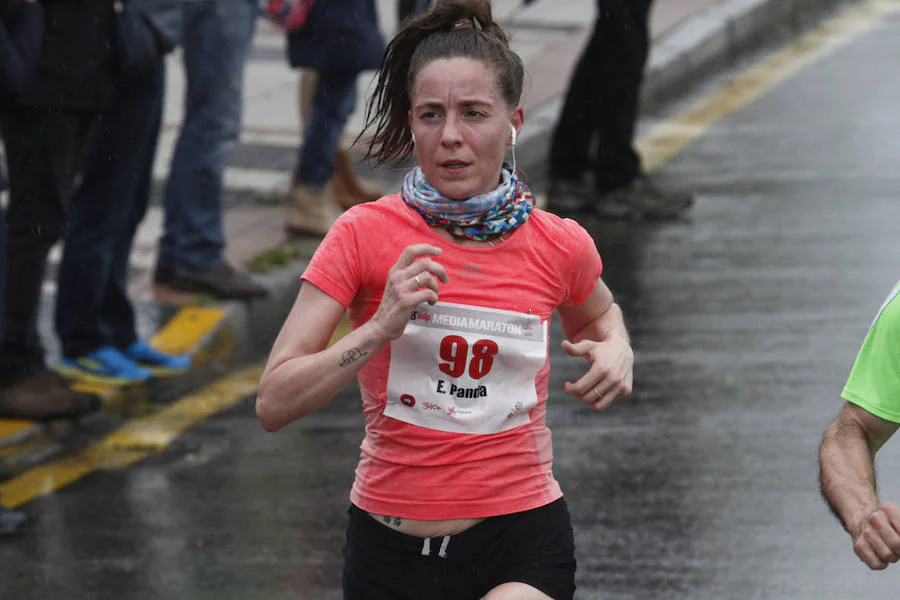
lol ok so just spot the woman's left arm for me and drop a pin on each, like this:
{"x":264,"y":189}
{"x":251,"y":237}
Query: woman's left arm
{"x":596,"y":332}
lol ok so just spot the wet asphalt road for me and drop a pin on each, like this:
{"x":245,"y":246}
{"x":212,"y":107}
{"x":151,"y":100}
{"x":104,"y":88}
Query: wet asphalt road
{"x":745,"y":318}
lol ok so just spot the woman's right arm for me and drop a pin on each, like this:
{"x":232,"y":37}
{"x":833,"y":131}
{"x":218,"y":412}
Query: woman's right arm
{"x":303,"y":373}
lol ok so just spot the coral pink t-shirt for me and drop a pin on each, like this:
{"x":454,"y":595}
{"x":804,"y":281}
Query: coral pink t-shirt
{"x":456,"y":418}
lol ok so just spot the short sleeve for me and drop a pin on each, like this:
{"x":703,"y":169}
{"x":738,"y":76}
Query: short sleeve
{"x":583,"y":266}
{"x":336,"y":265}
{"x":874,"y":382}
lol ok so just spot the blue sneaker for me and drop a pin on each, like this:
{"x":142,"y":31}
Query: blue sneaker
{"x":159,"y":363}
{"x":105,"y":365}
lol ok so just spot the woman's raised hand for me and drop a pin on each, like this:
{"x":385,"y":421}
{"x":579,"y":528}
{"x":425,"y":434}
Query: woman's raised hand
{"x":611,"y":371}
{"x":411,"y":281}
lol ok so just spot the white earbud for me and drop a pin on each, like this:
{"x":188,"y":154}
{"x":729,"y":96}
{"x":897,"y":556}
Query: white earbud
{"x":413,"y":136}
{"x":513,"y":145}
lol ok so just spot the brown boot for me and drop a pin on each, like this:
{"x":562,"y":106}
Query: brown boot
{"x":45,"y":396}
{"x":348,"y":189}
{"x":311,"y":211}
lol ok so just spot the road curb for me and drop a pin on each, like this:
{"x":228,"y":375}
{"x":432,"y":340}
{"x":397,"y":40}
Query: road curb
{"x":697,"y":48}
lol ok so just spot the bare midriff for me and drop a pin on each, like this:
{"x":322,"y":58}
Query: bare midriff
{"x":426,"y":529}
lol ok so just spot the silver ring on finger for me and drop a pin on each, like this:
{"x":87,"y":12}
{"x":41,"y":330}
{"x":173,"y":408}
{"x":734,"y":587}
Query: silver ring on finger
{"x":596,"y":391}
{"x":416,"y":279}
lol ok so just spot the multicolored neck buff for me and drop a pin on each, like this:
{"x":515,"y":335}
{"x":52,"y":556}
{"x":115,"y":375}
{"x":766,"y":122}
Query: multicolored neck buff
{"x":481,"y":218}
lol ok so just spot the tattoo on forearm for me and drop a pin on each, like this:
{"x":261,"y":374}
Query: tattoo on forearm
{"x":351,"y":356}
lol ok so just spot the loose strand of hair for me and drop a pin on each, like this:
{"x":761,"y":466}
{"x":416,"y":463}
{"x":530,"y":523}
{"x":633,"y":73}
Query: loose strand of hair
{"x":388,"y":106}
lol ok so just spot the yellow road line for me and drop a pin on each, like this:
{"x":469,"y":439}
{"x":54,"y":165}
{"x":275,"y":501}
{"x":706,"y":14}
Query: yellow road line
{"x":16,"y":435}
{"x":10,"y":427}
{"x":187,"y":329}
{"x":669,"y":138}
{"x":134,"y":441}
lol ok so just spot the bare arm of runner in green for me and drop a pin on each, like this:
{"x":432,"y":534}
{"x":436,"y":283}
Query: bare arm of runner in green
{"x":847,"y":477}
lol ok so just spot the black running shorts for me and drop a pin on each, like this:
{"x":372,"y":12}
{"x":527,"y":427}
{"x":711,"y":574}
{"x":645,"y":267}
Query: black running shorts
{"x":536,"y":547}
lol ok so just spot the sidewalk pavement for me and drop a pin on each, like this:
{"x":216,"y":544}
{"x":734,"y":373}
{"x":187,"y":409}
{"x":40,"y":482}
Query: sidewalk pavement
{"x":691,"y":39}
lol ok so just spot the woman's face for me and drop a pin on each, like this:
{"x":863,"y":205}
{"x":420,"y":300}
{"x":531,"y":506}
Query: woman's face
{"x":461,"y":125}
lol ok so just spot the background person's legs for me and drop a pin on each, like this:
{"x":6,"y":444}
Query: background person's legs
{"x":102,"y":220}
{"x":217,"y":39}
{"x":596,"y":128}
{"x":117,"y":310}
{"x":44,"y":148}
{"x":333,"y":102}
{"x":312,"y":206}
{"x":94,"y":316}
{"x":622,"y":32}
{"x":576,"y":129}
{"x":348,"y":189}
{"x":595,"y":132}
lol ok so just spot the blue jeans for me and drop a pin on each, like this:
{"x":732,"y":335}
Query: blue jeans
{"x":332,"y":105}
{"x":217,"y":39}
{"x":92,"y":305}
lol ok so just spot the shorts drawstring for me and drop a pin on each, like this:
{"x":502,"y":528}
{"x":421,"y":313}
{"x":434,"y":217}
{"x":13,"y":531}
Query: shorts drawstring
{"x":426,"y":547}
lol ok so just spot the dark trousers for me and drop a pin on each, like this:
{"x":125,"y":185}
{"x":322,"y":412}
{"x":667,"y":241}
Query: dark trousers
{"x":2,"y":277}
{"x":44,"y":149}
{"x":596,"y":129}
{"x":92,"y":308}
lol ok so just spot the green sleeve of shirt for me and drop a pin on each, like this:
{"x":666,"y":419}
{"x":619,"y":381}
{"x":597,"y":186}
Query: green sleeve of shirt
{"x":874,"y":382}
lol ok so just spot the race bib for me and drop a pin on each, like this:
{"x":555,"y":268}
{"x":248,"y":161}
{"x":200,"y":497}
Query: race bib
{"x":466,"y":369}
